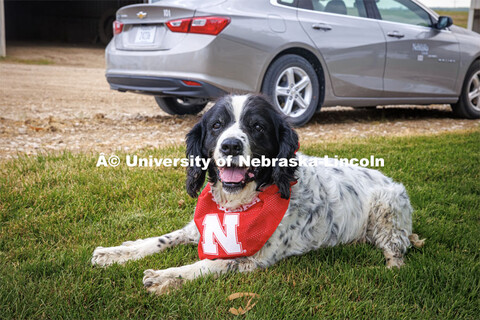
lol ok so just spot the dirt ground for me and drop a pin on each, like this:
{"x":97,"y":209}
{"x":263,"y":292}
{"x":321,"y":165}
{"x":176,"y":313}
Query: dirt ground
{"x":55,"y":98}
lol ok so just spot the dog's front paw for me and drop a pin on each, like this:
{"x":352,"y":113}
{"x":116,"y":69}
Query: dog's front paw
{"x":161,"y":281}
{"x":107,"y":256}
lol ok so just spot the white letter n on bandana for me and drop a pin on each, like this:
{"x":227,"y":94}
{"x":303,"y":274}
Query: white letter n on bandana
{"x":214,"y":234}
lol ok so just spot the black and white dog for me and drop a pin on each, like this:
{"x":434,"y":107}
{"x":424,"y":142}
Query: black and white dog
{"x":328,"y":205}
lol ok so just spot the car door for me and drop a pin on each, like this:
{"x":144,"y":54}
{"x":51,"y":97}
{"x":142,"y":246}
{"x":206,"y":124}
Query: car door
{"x":421,"y":60}
{"x":352,"y":45}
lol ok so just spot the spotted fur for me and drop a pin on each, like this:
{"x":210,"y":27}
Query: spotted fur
{"x":328,"y":205}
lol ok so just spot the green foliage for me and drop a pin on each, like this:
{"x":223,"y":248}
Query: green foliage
{"x":55,"y":209}
{"x":26,"y":61}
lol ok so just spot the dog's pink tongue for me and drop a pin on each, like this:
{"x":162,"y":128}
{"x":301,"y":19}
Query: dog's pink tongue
{"x":232,"y":174}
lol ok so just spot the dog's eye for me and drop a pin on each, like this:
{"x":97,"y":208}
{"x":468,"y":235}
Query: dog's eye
{"x":258,"y":127}
{"x":217,"y":125}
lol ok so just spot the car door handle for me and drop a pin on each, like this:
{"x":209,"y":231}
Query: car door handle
{"x":395,"y":34}
{"x":321,"y":26}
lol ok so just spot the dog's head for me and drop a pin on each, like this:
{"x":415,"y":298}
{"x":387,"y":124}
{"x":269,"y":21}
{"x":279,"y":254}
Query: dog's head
{"x":245,"y":126}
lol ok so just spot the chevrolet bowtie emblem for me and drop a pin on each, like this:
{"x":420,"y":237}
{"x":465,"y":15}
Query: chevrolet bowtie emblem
{"x":141,"y":14}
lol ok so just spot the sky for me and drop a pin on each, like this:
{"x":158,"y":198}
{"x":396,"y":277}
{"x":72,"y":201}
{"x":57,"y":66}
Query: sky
{"x":446,"y":3}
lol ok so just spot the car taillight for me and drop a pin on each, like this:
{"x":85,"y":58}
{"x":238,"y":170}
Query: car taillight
{"x":180,"y":25}
{"x":117,"y":27}
{"x":209,"y":25}
{"x":201,"y":25}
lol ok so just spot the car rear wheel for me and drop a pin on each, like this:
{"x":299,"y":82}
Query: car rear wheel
{"x":180,"y":106}
{"x":292,"y":83}
{"x":105,"y":30}
{"x":468,"y":105}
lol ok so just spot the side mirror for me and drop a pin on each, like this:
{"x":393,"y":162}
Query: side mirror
{"x":443,"y":22}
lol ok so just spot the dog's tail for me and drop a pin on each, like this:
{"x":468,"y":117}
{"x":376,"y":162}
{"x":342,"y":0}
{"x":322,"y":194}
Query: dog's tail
{"x":415,"y":241}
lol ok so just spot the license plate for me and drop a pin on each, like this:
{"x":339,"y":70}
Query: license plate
{"x":145,"y":35}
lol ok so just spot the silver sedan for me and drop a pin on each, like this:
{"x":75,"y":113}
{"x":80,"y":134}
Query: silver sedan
{"x":304,"y":54}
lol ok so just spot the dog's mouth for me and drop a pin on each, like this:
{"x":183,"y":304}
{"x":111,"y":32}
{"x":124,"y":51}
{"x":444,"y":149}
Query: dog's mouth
{"x":234,"y":178}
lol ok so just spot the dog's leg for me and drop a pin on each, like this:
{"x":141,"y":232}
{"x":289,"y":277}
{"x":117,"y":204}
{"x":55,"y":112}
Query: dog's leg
{"x":390,"y":223}
{"x":161,"y":281}
{"x":134,"y":250}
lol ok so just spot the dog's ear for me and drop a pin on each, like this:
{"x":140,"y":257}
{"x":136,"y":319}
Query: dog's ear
{"x":195,"y":175}
{"x":287,"y":146}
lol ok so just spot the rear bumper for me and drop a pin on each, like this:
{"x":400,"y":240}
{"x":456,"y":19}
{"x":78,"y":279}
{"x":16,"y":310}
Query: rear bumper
{"x":220,"y":62}
{"x":161,"y":86}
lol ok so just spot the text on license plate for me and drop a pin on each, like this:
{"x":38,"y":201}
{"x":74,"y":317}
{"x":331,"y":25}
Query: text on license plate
{"x":145,"y":35}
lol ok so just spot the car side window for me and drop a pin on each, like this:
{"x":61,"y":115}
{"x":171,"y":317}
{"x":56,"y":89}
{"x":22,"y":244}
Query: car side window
{"x":354,"y":8}
{"x":403,"y":11}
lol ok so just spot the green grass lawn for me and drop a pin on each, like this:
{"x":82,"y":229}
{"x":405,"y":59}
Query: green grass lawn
{"x":27,"y":61}
{"x":54,"y":210}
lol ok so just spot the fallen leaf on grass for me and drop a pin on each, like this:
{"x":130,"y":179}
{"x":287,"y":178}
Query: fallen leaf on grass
{"x":237,"y":295}
{"x":415,"y":240}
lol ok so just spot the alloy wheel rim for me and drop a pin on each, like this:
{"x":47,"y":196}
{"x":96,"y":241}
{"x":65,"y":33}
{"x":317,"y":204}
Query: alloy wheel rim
{"x":293,"y":92}
{"x":474,"y":91}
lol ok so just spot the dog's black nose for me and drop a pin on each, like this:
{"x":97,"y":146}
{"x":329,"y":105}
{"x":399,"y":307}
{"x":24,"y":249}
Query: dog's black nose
{"x":231,"y":147}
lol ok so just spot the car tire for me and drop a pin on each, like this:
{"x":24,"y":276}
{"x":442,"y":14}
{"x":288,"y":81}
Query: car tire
{"x":105,"y":26}
{"x":468,"y":105}
{"x":292,"y":84}
{"x":180,"y":106}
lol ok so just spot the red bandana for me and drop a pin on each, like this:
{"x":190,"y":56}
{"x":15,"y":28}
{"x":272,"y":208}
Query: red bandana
{"x":241,"y":233}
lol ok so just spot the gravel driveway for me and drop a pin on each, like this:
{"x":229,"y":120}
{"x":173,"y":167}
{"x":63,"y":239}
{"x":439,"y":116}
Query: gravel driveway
{"x":55,"y":98}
